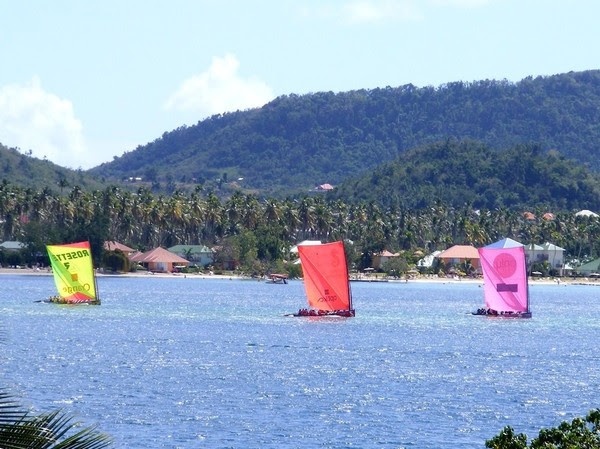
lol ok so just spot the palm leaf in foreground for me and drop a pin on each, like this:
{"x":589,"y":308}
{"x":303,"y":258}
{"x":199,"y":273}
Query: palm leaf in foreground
{"x":54,"y":430}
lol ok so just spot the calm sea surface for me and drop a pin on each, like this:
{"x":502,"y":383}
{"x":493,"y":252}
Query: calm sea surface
{"x":206,"y":363}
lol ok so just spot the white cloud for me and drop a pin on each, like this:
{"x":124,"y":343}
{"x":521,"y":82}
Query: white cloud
{"x":32,"y":119}
{"x":364,"y":11}
{"x":219,"y":89}
{"x":356,"y":12}
{"x":361,"y":11}
{"x":461,"y":3}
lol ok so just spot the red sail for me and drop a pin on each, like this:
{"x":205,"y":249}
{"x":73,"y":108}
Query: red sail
{"x":326,"y":276}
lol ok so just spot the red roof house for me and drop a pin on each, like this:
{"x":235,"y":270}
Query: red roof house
{"x":460,"y":253}
{"x":325,"y":187}
{"x":159,"y":259}
{"x":113,"y":246}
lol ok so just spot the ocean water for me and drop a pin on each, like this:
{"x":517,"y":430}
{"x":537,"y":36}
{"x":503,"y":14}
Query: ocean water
{"x":209,"y":363}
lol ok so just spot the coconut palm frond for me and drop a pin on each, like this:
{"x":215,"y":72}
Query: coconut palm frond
{"x":87,"y":438}
{"x":61,"y":428}
{"x":24,"y":434}
{"x":10,"y":410}
{"x":53,"y":430}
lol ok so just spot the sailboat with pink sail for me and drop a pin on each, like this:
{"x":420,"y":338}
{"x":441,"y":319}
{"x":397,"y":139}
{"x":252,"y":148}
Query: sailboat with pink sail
{"x":505,"y":285}
{"x":326,"y":280}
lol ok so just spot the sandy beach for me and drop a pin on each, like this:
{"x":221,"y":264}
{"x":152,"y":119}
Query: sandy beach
{"x":146,"y":274}
{"x":419,"y":279}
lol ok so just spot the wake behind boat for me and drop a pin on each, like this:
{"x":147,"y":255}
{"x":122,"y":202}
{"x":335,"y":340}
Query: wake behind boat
{"x":74,"y":275}
{"x":326,"y":281}
{"x":505,"y":285}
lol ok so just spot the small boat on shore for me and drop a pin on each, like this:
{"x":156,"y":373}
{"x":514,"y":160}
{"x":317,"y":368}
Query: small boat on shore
{"x":277,"y":279}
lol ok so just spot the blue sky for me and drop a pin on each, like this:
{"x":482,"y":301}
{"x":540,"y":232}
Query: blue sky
{"x":84,"y":81}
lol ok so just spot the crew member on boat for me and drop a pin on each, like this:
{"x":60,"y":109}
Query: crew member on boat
{"x":320,"y":312}
{"x":492,"y":312}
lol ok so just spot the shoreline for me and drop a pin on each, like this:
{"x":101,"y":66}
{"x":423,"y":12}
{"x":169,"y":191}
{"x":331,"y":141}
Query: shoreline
{"x":423,"y":279}
{"x":143,"y":274}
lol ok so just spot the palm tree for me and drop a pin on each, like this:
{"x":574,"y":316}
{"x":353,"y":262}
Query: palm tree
{"x":306,"y":215}
{"x":290,"y":220}
{"x":233,"y":213}
{"x":323,"y":220}
{"x":214,"y":218}
{"x":272,"y":211}
{"x":251,"y":212}
{"x":196,"y":208}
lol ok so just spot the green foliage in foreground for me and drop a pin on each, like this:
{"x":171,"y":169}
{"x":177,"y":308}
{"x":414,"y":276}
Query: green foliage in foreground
{"x":56,"y":430}
{"x":578,"y":434}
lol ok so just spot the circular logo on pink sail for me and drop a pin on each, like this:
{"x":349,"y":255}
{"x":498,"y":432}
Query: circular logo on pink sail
{"x":505,"y":265}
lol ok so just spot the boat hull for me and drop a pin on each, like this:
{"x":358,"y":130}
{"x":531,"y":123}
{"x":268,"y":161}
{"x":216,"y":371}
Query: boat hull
{"x":323,"y":313}
{"x":59,"y":300}
{"x":493,"y":314}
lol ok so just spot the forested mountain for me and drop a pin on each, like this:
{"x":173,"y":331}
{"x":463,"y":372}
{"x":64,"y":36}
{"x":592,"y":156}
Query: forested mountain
{"x":298,"y":141}
{"x":24,"y":170}
{"x":459,"y":173}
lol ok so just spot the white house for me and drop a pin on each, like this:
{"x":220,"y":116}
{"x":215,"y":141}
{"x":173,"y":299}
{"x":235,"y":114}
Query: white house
{"x":294,"y":249}
{"x":12,"y":245}
{"x":196,"y":254}
{"x":427,"y":261}
{"x":547,"y":252}
{"x":586,"y":213}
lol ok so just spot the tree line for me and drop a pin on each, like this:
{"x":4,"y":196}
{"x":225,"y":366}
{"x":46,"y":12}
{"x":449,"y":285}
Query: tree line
{"x":257,"y":233}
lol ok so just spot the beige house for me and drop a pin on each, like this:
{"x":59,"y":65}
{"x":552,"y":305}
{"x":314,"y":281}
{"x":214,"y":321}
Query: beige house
{"x":380,"y":259}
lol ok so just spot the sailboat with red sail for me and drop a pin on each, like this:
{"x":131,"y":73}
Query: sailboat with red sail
{"x":505,"y":284}
{"x":326,"y":280}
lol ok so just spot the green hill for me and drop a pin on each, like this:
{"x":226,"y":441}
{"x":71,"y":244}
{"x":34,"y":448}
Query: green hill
{"x":458,"y":173}
{"x":349,"y":139}
{"x":297,"y":142}
{"x":30,"y":172}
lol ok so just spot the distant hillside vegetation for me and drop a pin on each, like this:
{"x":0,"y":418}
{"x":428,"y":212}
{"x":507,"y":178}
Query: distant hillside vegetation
{"x":30,"y":172}
{"x":296,"y":142}
{"x":459,"y":173}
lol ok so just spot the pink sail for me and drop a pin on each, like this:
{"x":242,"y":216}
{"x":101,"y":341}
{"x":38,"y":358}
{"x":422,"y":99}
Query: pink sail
{"x":505,"y":279}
